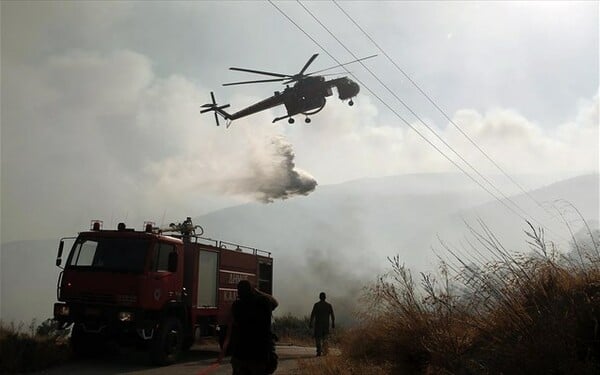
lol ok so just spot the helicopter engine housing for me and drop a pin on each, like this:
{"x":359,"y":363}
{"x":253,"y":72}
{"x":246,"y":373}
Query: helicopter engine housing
{"x":347,"y":88}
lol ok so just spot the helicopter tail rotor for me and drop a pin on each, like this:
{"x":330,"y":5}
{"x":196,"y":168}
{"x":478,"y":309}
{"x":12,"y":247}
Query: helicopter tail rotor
{"x":217,"y":109}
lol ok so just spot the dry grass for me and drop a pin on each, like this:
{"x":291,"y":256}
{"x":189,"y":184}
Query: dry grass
{"x":335,"y":365}
{"x":534,"y":313}
{"x":31,"y":349}
{"x":293,"y":330}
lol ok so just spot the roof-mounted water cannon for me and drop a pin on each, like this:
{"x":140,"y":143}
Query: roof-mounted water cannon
{"x":186,"y":228}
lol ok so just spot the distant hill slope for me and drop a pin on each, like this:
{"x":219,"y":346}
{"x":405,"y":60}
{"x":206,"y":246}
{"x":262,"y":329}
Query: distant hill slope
{"x":338,"y":238}
{"x":335,"y":240}
{"x":550,"y":207}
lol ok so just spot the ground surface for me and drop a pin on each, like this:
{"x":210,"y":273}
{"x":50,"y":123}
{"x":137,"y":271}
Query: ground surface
{"x":198,"y":361}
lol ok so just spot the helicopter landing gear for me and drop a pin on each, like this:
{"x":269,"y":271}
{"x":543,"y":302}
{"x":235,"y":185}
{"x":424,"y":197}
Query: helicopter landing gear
{"x":350,"y":103}
{"x":307,"y":120}
{"x":291,"y":120}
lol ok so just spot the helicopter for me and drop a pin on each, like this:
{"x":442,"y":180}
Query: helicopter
{"x":306,"y":96}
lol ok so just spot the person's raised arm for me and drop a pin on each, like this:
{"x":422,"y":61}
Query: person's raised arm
{"x":271,"y":299}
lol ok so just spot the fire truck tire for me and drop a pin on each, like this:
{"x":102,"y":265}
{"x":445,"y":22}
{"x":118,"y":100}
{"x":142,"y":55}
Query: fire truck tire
{"x":167,"y":344}
{"x":188,"y":342}
{"x":85,"y":344}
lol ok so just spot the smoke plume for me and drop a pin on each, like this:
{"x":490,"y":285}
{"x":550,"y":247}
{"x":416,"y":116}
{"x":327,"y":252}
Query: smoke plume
{"x":274,"y":174}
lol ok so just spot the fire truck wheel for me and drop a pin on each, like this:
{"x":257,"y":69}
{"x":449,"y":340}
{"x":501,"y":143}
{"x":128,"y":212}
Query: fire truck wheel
{"x":167,"y":344}
{"x":188,"y":342}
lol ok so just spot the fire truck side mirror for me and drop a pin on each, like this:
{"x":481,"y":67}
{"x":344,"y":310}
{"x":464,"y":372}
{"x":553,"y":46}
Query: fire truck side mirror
{"x":173,"y":261}
{"x":61,"y":246}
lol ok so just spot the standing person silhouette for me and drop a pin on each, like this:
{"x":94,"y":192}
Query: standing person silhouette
{"x":320,"y":317}
{"x":249,"y":333}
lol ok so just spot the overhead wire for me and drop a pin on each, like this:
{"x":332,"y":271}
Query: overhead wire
{"x":503,"y":202}
{"x":393,"y":93}
{"x":398,"y":115}
{"x":428,"y":97}
{"x":523,"y":213}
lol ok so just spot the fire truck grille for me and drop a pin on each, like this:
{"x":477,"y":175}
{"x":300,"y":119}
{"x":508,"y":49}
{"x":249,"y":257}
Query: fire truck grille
{"x":98,"y":298}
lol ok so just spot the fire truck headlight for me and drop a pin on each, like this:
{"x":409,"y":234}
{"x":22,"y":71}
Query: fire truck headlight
{"x":126,"y":316}
{"x":61,"y":310}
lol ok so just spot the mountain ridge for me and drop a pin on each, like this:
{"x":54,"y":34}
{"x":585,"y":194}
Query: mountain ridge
{"x":337,"y":239}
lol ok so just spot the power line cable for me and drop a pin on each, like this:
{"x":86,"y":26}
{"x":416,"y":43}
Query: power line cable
{"x":399,"y":116}
{"x":425,"y":124}
{"x":527,"y":193}
{"x":407,"y":123}
{"x":435,"y":133}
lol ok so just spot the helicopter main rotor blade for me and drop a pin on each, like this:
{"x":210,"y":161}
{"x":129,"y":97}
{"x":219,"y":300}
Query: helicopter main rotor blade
{"x":258,"y":81}
{"x":337,"y":66}
{"x":261,"y":72}
{"x":333,"y":74}
{"x":312,"y":58}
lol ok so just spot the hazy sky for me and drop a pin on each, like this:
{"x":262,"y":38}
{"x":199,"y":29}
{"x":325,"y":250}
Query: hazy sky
{"x":100,"y":101}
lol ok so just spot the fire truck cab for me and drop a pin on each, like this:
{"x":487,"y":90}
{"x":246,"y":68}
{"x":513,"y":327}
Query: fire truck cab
{"x":150,"y":288}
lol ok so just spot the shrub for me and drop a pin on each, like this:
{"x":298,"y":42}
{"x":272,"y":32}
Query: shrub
{"x":31,"y":350}
{"x":516,"y":313}
{"x":293,"y":329}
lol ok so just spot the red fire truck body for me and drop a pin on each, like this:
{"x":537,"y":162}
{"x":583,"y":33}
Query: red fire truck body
{"x":161,"y":290}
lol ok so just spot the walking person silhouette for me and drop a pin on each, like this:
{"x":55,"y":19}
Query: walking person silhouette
{"x":320,"y":317}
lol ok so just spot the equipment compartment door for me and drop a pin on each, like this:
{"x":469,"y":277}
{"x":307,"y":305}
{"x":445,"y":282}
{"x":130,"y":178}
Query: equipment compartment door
{"x":207,"y":278}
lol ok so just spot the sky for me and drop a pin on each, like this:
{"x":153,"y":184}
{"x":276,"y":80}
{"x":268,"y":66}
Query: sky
{"x":100,"y":101}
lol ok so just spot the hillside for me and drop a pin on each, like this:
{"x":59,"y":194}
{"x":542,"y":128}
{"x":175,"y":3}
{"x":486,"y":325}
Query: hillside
{"x":336,"y":239}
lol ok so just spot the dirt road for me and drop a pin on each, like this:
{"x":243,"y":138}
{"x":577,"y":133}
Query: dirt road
{"x":198,"y":361}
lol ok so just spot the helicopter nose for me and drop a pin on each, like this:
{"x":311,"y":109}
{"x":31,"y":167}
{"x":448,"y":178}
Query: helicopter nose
{"x":348,"y":89}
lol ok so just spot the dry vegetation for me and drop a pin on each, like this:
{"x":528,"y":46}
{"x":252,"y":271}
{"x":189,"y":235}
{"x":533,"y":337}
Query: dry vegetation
{"x":31,"y":349}
{"x":489,"y":312}
{"x":292,"y":330}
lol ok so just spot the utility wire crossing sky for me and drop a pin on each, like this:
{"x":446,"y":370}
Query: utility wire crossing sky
{"x":102,"y":100}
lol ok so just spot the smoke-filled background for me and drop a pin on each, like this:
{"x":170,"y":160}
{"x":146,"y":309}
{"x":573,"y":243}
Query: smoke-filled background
{"x":100,"y":120}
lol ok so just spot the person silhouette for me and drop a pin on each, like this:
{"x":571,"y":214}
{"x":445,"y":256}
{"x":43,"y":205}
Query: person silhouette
{"x":249,"y":333}
{"x":320,"y":317}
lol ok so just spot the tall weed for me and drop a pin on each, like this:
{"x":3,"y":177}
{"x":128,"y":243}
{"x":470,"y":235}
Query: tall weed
{"x":31,"y":349}
{"x":487,"y":311}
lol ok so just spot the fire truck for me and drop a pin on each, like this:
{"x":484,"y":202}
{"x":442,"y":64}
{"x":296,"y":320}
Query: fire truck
{"x":149,"y":288}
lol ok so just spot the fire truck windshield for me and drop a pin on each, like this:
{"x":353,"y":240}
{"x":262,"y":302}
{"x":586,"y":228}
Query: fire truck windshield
{"x":110,"y":254}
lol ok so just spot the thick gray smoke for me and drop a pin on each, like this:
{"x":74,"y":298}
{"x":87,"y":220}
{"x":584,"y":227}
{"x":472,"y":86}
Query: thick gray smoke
{"x":274,"y":174}
{"x":299,"y":283}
